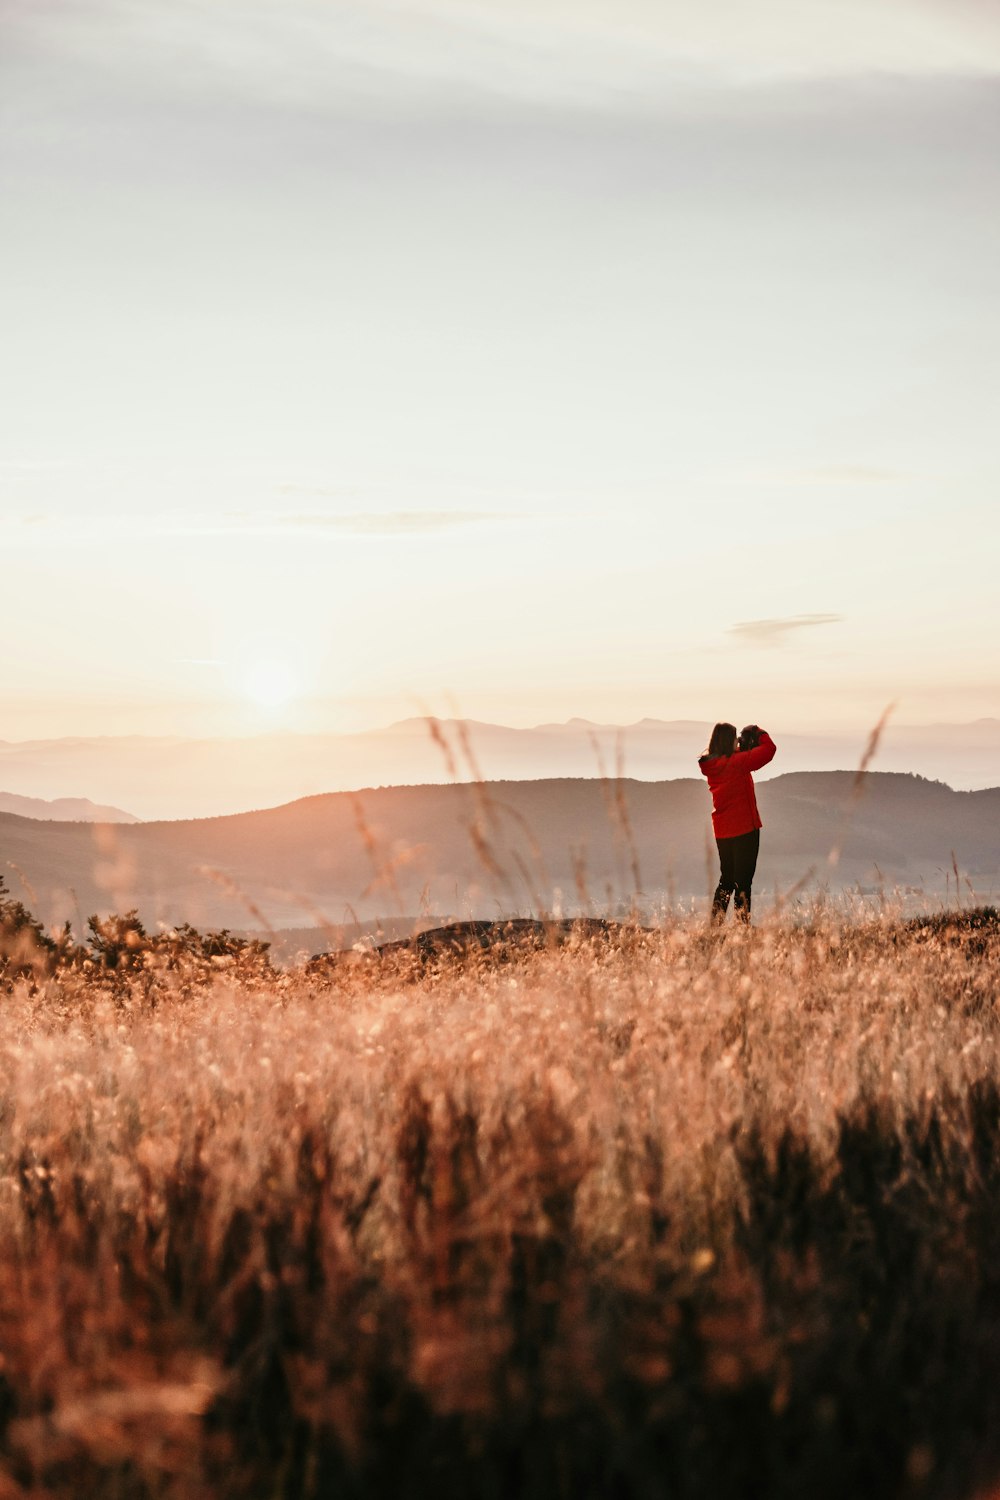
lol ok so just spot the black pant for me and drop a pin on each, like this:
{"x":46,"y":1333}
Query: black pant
{"x":737,"y":862}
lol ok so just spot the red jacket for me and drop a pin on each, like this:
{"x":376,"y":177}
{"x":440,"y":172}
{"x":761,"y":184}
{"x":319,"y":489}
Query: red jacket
{"x":734,"y":806}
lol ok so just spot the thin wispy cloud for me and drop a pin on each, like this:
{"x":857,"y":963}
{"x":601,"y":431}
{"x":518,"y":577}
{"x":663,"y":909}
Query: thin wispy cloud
{"x":847,"y":474}
{"x":21,"y":466}
{"x":441,"y":52}
{"x":52,"y":529}
{"x":842,"y":475}
{"x":391,"y":523}
{"x":776,"y":632}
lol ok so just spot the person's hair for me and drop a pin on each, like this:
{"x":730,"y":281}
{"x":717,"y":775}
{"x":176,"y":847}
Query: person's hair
{"x":723,"y":741}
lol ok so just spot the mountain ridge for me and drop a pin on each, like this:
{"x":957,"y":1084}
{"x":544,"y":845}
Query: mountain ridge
{"x":63,"y":809}
{"x":464,"y":849}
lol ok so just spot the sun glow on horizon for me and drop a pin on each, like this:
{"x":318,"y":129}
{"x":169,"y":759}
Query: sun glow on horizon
{"x":270,"y":683}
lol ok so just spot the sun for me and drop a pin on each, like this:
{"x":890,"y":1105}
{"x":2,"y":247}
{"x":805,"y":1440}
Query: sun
{"x":270,"y":683}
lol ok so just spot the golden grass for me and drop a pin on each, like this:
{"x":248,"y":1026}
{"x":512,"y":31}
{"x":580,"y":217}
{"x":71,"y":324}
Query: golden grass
{"x":676,"y":1214}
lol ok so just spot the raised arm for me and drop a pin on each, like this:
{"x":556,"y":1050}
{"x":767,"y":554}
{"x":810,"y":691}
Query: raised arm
{"x":753,"y":760}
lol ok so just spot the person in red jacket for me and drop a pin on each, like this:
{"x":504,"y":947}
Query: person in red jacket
{"x":726,"y":766}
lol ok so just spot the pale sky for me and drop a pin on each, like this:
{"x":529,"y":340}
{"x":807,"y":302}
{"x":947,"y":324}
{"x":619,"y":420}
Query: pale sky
{"x":609,"y":358}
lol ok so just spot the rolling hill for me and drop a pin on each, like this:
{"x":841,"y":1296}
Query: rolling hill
{"x":466,"y":850}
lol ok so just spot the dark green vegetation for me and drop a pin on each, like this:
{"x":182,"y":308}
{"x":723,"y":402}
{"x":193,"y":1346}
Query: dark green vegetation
{"x":119,"y":950}
{"x":641,"y":1215}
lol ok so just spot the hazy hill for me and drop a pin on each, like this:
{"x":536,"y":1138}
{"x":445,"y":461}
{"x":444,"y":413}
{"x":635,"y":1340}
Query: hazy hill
{"x":461,"y":850}
{"x":63,"y":809}
{"x":181,"y":778}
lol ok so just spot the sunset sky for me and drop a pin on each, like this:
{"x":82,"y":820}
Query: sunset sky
{"x":524,"y":358}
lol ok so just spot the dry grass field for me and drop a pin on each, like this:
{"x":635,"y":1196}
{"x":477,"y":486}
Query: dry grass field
{"x":671,"y":1214}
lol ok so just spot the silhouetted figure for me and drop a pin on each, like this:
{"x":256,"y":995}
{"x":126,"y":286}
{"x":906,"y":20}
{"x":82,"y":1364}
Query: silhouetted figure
{"x":726,"y":765}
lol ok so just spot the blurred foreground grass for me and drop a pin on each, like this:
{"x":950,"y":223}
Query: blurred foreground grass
{"x":668,"y":1214}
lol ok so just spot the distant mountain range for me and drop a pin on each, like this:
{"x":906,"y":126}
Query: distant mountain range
{"x":502,"y":847}
{"x":63,"y":809}
{"x":179,"y":778}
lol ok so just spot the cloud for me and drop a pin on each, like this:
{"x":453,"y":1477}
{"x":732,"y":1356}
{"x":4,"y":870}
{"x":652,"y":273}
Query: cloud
{"x":843,"y":475}
{"x":381,"y":523}
{"x":53,"y":529}
{"x":32,"y":465}
{"x":378,"y":53}
{"x":774,"y":632}
{"x":849,"y":474}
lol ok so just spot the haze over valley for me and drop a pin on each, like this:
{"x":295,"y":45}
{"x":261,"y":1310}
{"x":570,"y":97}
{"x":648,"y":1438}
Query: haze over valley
{"x":177,"y":777}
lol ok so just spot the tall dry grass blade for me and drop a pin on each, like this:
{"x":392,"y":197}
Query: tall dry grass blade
{"x":233,"y":888}
{"x":384,"y":868}
{"x":437,"y":734}
{"x":616,"y":806}
{"x":858,"y":784}
{"x":625,"y":821}
{"x":540,"y":880}
{"x":871,"y":748}
{"x":484,"y":852}
{"x":782,"y":898}
{"x":29,"y":889}
{"x":602,"y":774}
